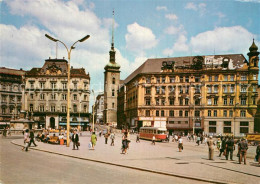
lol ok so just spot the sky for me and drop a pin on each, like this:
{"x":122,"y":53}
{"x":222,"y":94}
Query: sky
{"x":143,"y":29}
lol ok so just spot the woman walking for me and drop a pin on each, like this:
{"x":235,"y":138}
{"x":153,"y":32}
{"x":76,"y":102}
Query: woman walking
{"x":93,"y":140}
{"x":124,"y":143}
{"x":26,"y":140}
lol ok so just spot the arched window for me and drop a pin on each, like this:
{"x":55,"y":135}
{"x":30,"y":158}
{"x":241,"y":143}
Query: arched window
{"x":75,"y":108}
{"x":113,"y":80}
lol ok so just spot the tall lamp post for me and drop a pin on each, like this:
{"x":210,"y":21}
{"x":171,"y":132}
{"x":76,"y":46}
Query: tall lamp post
{"x":68,"y":84}
{"x":93,"y":118}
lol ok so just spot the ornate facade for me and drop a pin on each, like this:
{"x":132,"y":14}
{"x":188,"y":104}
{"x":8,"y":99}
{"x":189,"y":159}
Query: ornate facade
{"x":11,"y":81}
{"x":212,"y":94}
{"x":46,"y":95}
{"x":99,"y":108}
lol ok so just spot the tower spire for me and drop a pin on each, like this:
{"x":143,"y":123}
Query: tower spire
{"x":113,"y":24}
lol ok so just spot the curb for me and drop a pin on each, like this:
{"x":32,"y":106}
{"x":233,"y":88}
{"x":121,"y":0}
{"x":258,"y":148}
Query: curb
{"x":125,"y":166}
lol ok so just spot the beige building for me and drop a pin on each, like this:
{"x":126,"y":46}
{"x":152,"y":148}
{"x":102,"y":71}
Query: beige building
{"x":45,"y":95}
{"x":11,"y":81}
{"x":214,"y":94}
{"x":99,"y":108}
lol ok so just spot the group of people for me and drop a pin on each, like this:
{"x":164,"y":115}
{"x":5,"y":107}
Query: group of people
{"x":28,"y":139}
{"x":6,"y":131}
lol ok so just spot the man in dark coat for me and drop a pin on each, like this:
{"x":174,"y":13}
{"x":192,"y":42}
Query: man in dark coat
{"x":75,"y":140}
{"x":230,"y":146}
{"x":223,"y":146}
{"x":31,"y":138}
{"x":242,"y":148}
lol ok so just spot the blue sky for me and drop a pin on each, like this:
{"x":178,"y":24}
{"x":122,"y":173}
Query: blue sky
{"x":143,"y":29}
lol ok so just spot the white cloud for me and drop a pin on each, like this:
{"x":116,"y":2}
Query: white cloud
{"x":220,"y":15}
{"x":139,"y":38}
{"x":201,"y":7}
{"x":249,"y":1}
{"x":171,"y":16}
{"x":234,"y":39}
{"x":179,"y":46}
{"x":158,"y":8}
{"x":173,"y":30}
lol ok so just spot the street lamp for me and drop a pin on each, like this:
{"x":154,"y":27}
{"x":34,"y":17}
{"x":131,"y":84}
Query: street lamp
{"x":68,"y":84}
{"x":93,"y":111}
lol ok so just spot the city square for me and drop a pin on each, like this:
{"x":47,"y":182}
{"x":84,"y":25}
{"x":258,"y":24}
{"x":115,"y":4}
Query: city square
{"x":129,"y":91}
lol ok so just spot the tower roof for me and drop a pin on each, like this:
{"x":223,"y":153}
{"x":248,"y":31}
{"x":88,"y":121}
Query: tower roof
{"x":253,"y":47}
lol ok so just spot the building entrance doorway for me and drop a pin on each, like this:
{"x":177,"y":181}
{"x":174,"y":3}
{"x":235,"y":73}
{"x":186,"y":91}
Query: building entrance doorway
{"x":52,"y":122}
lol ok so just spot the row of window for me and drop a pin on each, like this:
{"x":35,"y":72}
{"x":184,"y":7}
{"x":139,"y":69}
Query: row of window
{"x":227,"y":127}
{"x":53,"y":85}
{"x":215,"y":78}
{"x":181,"y":113}
{"x":4,"y":98}
{"x":11,"y":110}
{"x":13,"y":87}
{"x":42,"y":108}
{"x":54,"y":96}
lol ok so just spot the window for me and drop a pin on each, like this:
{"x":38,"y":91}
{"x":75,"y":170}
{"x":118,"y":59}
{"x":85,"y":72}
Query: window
{"x":63,"y":108}
{"x":225,"y":89}
{"x":210,"y":78}
{"x":53,"y":85}
{"x":3,"y":110}
{"x":53,"y":108}
{"x":180,"y":113}
{"x":231,"y":77}
{"x":225,"y":77}
{"x":243,"y":89}
{"x":53,"y":96}
{"x":162,"y":113}
{"x":243,"y":77}
{"x":31,"y":108}
{"x":163,"y":90}
{"x":158,"y":80}
{"x":225,"y":101}
{"x":113,"y":80}
{"x":197,"y":101}
{"x":187,"y":90}
{"x":231,"y":101}
{"x":148,"y":80}
{"x":162,"y":101}
{"x":171,"y":122}
{"x":148,"y":91}
{"x":197,"y":78}
{"x":74,"y":108}
{"x":197,"y":113}
{"x":163,"y":79}
{"x":244,"y":127}
{"x":64,"y":85}
{"x":254,"y":88}
{"x":215,"y":101}
{"x":32,"y":85}
{"x":75,"y":85}
{"x":113,"y":105}
{"x":171,"y":100}
{"x":85,"y":108}
{"x":242,"y":113}
{"x":209,"y":89}
{"x":232,"y":89}
{"x":227,"y":127}
{"x":42,"y":96}
{"x":85,"y":85}
{"x":216,"y":77}
{"x":181,"y":101}
{"x":243,"y":101}
{"x":253,"y":101}
{"x":209,"y":113}
{"x":225,"y":113}
{"x":215,"y":113}
{"x":157,"y":89}
{"x":231,"y":113}
{"x":186,"y":101}
{"x":215,"y":89}
{"x":113,"y":92}
{"x":41,"y":108}
{"x":180,"y":90}
{"x":147,"y":101}
{"x":254,"y":76}
{"x":186,"y":78}
{"x":209,"y":101}
{"x":181,"y":78}
{"x":172,"y":79}
{"x":212,"y":127}
{"x":157,"y":101}
{"x":147,"y":113}
{"x":179,"y":122}
{"x":157,"y":113}
{"x":171,"y":113}
{"x":31,"y":95}
{"x":186,"y":113}
{"x":64,"y":96}
{"x":197,"y":89}
{"x":42,"y":85}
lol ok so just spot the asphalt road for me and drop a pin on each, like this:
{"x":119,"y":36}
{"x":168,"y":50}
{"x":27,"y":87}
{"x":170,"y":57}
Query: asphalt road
{"x":17,"y":166}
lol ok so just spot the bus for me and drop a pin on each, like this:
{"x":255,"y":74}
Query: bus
{"x":148,"y":132}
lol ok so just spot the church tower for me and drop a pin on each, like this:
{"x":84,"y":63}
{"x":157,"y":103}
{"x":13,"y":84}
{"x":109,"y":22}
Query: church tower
{"x":111,"y":84}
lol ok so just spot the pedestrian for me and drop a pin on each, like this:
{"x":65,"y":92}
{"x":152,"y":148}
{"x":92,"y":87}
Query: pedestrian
{"x":242,"y":147}
{"x":153,"y":140}
{"x":180,"y":144}
{"x":9,"y":131}
{"x":211,"y":148}
{"x":106,"y":138}
{"x":218,"y":144}
{"x":198,"y":140}
{"x":205,"y":140}
{"x":4,"y":132}
{"x":93,"y":140}
{"x":100,"y":133}
{"x":230,"y":146}
{"x":32,"y":138}
{"x":26,"y":140}
{"x":124,"y":143}
{"x":257,"y":157}
{"x":128,"y":139}
{"x":75,"y":140}
{"x":223,"y":147}
{"x":112,"y":137}
{"x":138,"y":137}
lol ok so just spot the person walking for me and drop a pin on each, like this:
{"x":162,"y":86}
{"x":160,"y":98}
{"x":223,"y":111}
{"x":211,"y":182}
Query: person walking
{"x":153,"y":140}
{"x":138,"y":137}
{"x":198,"y":140}
{"x":124,"y":143}
{"x":106,"y":138}
{"x":93,"y":140}
{"x":230,"y":146}
{"x":31,"y":138}
{"x":218,"y":144}
{"x":112,"y":137}
{"x":223,"y":147}
{"x":211,"y":144}
{"x":26,"y":140}
{"x":242,"y":147}
{"x":75,"y":140}
{"x":180,"y":144}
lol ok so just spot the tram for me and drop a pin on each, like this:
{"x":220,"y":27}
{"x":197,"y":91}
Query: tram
{"x":149,"y":132}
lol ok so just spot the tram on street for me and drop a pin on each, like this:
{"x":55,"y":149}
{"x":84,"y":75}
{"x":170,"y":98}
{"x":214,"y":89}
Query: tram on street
{"x":148,"y":133}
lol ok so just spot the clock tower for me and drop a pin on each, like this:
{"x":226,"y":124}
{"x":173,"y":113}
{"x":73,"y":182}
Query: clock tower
{"x":111,"y":84}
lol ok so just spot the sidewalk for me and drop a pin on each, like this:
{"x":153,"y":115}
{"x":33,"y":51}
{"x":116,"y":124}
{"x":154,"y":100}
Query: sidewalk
{"x":163,"y":157}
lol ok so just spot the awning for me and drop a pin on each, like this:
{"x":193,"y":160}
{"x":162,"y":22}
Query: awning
{"x":4,"y":123}
{"x":74,"y":124}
